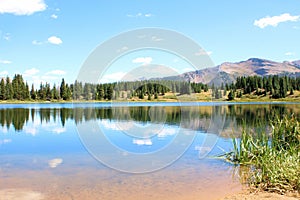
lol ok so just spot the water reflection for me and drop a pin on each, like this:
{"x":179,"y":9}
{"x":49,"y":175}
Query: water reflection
{"x":194,"y":118}
{"x":40,"y":148}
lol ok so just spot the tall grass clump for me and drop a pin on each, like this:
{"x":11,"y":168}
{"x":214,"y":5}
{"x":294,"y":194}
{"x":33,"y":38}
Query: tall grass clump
{"x":272,"y":160}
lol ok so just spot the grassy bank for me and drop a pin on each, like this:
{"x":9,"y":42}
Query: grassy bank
{"x":270,"y":162}
{"x":171,"y":97}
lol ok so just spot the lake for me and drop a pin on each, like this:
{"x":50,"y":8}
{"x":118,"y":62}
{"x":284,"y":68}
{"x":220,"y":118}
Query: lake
{"x":124,"y":150}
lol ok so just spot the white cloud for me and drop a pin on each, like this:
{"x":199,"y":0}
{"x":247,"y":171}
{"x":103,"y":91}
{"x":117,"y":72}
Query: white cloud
{"x":5,"y":62}
{"x":59,"y":130}
{"x":55,"y":162}
{"x":202,"y":52}
{"x":54,"y":40}
{"x":140,"y":142}
{"x":5,"y":141}
{"x":22,"y":7}
{"x":56,"y":72}
{"x":54,"y":16}
{"x":4,"y":73}
{"x":124,"y":48}
{"x":31,"y":130}
{"x":114,"y":77}
{"x":289,"y":54}
{"x":156,"y":39}
{"x":143,"y":60}
{"x":166,"y":132}
{"x":35,"y":42}
{"x":30,"y":72}
{"x":148,"y":15}
{"x":117,"y":126}
{"x":275,"y":20}
{"x":140,"y":15}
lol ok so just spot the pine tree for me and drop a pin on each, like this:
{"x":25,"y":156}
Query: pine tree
{"x":54,"y":93}
{"x":231,"y":95}
{"x":9,"y":89}
{"x":33,"y":93}
{"x":63,"y":90}
{"x":26,"y":92}
{"x":2,"y":90}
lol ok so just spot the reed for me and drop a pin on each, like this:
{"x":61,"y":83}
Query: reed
{"x":272,"y":160}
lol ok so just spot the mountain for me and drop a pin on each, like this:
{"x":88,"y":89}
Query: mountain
{"x":296,"y":63}
{"x":227,"y":72}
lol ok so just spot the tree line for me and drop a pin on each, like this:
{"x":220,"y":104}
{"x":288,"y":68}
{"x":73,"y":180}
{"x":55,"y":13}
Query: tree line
{"x":274,"y":86}
{"x":254,"y":115}
{"x":18,"y":89}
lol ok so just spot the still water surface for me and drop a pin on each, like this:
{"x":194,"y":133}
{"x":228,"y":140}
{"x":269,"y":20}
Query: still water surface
{"x":42,"y":148}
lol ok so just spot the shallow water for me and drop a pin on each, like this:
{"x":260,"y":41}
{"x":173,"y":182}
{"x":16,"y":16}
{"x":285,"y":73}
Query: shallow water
{"x":85,"y":151}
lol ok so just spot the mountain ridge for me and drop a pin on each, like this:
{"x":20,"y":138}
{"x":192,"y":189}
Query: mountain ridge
{"x":227,"y":72}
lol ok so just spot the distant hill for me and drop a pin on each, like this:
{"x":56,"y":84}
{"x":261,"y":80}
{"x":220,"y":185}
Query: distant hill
{"x":227,"y":72}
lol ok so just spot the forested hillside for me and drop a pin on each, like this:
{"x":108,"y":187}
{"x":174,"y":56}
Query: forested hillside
{"x":272,"y":86}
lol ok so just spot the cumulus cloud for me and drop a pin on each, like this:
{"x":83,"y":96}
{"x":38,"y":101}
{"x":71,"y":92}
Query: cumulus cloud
{"x":156,"y":39}
{"x":54,"y":40}
{"x":289,"y":54}
{"x":56,"y":72}
{"x":5,"y":62}
{"x":166,"y":132}
{"x":59,"y":130}
{"x":31,"y":130}
{"x":55,"y":162}
{"x":24,"y":7}
{"x":113,"y":77}
{"x":124,"y":48}
{"x":141,"y":142}
{"x":116,"y":125}
{"x":202,"y":52}
{"x":142,"y":60}
{"x":275,"y":20}
{"x":54,"y":16}
{"x":5,"y":141}
{"x":30,"y":72}
{"x":148,"y":15}
{"x":140,"y":15}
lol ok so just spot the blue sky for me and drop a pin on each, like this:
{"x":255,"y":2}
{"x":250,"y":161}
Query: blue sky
{"x":46,"y":40}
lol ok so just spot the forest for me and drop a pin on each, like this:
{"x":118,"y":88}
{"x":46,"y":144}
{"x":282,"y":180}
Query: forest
{"x":273,"y":86}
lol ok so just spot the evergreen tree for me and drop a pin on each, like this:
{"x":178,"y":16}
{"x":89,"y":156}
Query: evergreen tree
{"x":231,"y":95}
{"x":9,"y":89}
{"x":54,"y":93}
{"x":26,"y":92}
{"x":2,"y":90}
{"x":33,"y":95}
{"x":63,"y":90}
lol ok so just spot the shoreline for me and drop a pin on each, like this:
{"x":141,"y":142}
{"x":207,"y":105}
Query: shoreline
{"x":154,"y":101}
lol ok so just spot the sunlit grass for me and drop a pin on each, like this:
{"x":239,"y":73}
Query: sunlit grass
{"x":272,"y":161}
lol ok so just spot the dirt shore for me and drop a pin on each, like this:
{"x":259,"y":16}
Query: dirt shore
{"x":27,"y":194}
{"x":247,"y":195}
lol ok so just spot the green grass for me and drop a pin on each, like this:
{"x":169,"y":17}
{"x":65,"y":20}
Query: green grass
{"x":272,"y":161}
